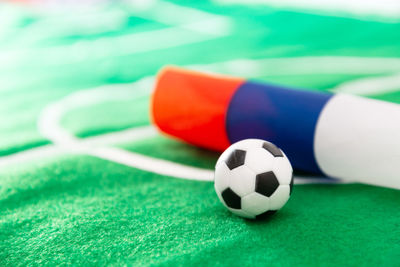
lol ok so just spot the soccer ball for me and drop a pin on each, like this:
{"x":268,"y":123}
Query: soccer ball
{"x":253,"y":178}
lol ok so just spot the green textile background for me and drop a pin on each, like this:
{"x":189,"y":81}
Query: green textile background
{"x":71,"y":74}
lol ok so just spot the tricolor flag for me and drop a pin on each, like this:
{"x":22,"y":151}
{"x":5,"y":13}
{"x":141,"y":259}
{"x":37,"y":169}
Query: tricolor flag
{"x":341,"y":136}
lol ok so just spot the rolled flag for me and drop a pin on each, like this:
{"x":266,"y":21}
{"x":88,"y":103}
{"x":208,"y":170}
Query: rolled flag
{"x":338,"y":135}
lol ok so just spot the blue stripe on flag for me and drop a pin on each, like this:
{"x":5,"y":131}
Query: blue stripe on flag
{"x":283,"y":116}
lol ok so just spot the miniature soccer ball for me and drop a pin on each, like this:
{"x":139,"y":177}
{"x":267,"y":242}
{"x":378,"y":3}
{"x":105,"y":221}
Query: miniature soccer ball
{"x":253,"y":178}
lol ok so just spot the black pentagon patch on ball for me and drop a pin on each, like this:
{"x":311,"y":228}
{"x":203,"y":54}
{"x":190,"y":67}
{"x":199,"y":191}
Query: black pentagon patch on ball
{"x":236,"y":159}
{"x":271,"y":148}
{"x":231,"y":199}
{"x":266,"y":214}
{"x":266,"y":183}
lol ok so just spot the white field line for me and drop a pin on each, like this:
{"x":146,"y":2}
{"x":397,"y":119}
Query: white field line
{"x":307,"y":65}
{"x":388,"y":67}
{"x":49,"y":127}
{"x":41,"y":152}
{"x":49,"y":120}
{"x":51,"y":150}
{"x":384,"y":10}
{"x":146,"y":163}
{"x":188,"y":18}
{"x":128,"y":44}
{"x":83,"y":22}
{"x":121,"y":137}
{"x":371,"y":86}
{"x":188,"y":26}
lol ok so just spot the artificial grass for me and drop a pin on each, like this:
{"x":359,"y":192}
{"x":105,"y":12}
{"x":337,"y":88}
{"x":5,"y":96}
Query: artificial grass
{"x":85,"y":211}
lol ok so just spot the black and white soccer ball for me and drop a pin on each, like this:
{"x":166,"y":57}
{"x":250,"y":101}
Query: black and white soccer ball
{"x":253,"y":178}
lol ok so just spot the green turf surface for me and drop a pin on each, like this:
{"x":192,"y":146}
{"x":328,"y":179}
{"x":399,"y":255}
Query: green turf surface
{"x":73,"y":212}
{"x":60,"y":205}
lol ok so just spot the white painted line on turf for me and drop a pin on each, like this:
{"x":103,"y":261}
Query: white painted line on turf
{"x":307,"y":65}
{"x":384,"y":10}
{"x":121,"y":137}
{"x":49,"y":126}
{"x":84,"y":50}
{"x":188,"y":18}
{"x":146,"y":163}
{"x":82,"y":22}
{"x":342,"y":65}
{"x":371,"y":85}
{"x":45,"y":151}
{"x":49,"y":120}
{"x":51,"y":150}
{"x":190,"y":26}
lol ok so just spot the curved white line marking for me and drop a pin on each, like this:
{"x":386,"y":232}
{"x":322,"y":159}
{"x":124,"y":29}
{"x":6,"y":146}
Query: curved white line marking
{"x":48,"y":123}
{"x":146,"y":163}
{"x":51,"y":150}
{"x":51,"y":116}
{"x":120,"y":137}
